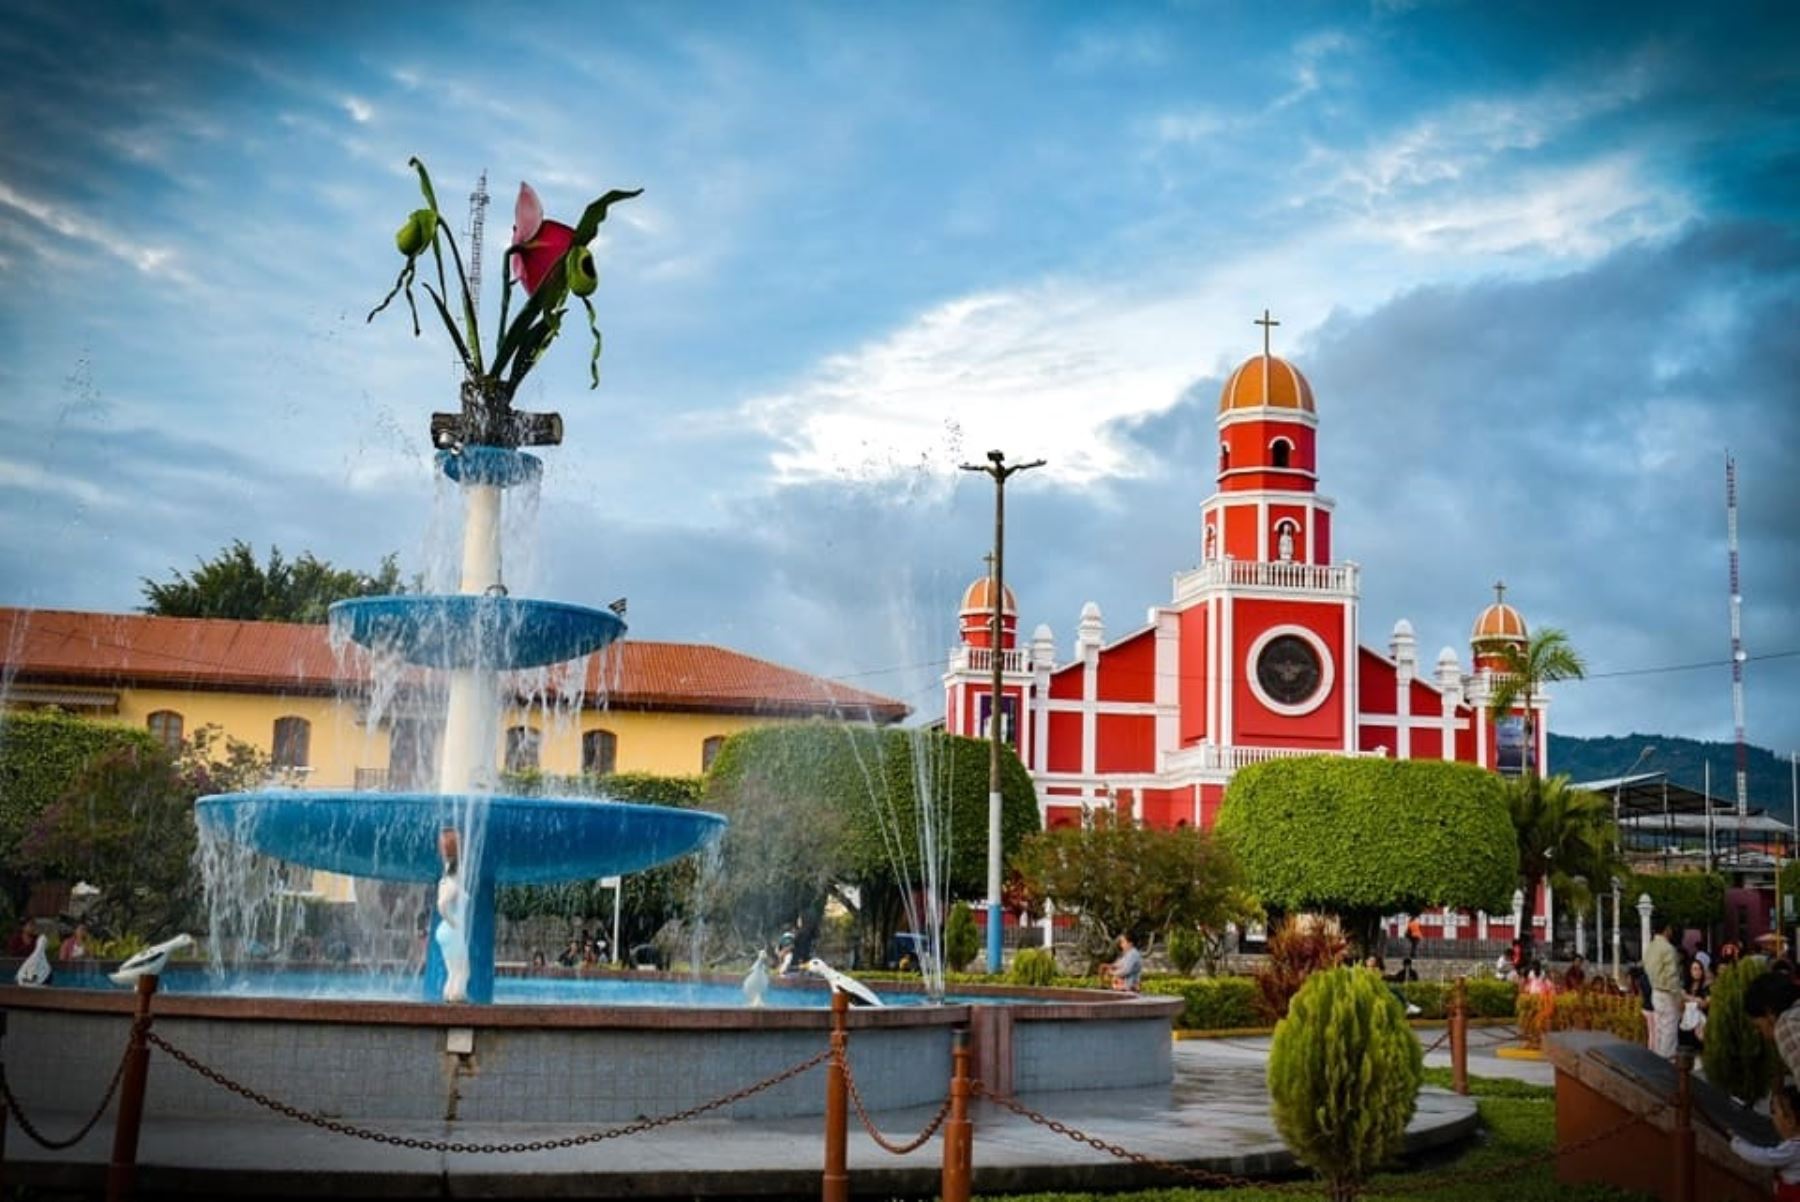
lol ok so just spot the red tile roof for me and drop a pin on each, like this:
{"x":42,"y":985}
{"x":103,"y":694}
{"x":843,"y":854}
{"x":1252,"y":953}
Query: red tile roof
{"x":117,"y":650}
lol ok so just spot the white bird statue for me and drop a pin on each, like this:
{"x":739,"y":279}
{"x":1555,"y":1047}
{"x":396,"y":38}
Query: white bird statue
{"x":756,"y":982}
{"x":842,"y":983}
{"x":150,"y":961}
{"x":36,"y":969}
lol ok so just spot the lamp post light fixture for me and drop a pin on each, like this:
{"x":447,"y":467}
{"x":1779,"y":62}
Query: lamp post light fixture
{"x":1000,"y":471}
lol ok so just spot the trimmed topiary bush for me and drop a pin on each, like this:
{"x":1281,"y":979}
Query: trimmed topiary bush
{"x":1360,"y":838}
{"x":1033,"y":966}
{"x":1490,"y":998}
{"x":1737,"y":1058}
{"x":961,"y":938}
{"x":1344,"y":1076}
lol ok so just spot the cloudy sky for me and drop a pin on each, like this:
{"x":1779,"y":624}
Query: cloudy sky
{"x":1541,"y":264}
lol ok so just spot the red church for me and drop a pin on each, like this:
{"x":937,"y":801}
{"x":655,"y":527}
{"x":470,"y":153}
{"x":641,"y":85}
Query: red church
{"x":1257,"y":655}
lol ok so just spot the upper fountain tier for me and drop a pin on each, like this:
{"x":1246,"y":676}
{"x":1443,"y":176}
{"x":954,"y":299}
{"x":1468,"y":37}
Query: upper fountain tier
{"x":459,"y":630}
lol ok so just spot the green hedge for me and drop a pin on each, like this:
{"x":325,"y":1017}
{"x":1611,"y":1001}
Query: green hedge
{"x":1490,"y":998}
{"x":1425,"y":834}
{"x":1210,"y":1003}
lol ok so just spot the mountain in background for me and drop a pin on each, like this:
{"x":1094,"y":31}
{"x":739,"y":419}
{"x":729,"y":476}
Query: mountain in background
{"x":1770,"y":777}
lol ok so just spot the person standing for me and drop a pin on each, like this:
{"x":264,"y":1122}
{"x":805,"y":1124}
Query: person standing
{"x":1662,"y":964}
{"x":1414,"y":933}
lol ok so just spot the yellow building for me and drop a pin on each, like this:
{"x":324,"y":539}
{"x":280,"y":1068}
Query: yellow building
{"x":644,"y":707}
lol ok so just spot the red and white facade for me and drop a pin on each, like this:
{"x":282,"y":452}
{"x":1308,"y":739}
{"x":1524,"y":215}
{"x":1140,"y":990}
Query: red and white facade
{"x":1258,"y":654}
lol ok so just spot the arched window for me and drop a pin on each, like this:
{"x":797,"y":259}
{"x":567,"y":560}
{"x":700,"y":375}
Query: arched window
{"x":600,"y":752}
{"x":293,"y":742}
{"x":165,"y":728}
{"x":709,"y":751}
{"x":1280,"y":451}
{"x":1224,"y":457}
{"x":521,"y":749}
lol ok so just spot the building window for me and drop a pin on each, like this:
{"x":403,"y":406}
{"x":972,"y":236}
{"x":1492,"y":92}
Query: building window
{"x":1224,"y":457}
{"x":709,"y":751}
{"x":521,"y":749}
{"x":1279,"y":452}
{"x":293,"y":742}
{"x":165,"y":728}
{"x":600,"y":752}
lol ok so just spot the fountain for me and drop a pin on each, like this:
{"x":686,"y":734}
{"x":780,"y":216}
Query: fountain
{"x":467,"y":835}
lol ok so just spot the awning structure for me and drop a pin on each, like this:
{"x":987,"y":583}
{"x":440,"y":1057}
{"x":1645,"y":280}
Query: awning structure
{"x":1671,"y":826}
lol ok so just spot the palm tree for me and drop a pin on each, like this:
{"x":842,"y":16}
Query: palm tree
{"x":1564,"y":833}
{"x":1524,"y":670}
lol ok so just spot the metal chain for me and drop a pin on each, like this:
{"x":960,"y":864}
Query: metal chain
{"x":1225,"y":1180}
{"x":1201,"y":1176}
{"x":457,"y":1146}
{"x":56,"y":1145}
{"x":881,"y":1141}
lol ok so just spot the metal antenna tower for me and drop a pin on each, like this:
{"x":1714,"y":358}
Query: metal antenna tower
{"x":478,"y":203}
{"x":1737,"y":637}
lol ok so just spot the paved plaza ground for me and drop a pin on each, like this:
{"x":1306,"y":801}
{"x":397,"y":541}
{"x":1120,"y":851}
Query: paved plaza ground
{"x":1215,"y":1116}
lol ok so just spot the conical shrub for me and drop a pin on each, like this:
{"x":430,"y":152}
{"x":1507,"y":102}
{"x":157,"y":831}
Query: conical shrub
{"x":1344,"y":1074}
{"x":1737,"y":1058}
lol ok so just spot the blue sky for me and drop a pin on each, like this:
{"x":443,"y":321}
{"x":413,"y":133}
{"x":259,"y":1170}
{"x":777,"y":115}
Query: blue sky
{"x":1539,"y":262}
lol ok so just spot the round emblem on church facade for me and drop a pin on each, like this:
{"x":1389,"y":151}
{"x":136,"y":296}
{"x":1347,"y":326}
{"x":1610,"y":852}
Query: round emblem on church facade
{"x":1290,"y":670}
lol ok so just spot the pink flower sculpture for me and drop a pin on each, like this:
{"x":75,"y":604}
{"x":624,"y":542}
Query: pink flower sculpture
{"x":542,"y":244}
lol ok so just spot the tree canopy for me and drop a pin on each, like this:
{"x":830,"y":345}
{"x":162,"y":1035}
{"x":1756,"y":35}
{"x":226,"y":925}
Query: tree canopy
{"x":1361,"y":838}
{"x":1122,"y":876}
{"x":232,"y":584}
{"x":823,"y":807}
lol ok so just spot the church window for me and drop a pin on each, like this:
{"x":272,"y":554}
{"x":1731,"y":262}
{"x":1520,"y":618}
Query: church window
{"x":165,"y":728}
{"x":1280,"y":452}
{"x":1224,"y":457}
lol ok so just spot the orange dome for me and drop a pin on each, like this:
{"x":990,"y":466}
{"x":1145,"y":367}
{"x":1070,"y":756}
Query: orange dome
{"x":1266,"y":380}
{"x":1499,"y":623}
{"x":979,"y":599}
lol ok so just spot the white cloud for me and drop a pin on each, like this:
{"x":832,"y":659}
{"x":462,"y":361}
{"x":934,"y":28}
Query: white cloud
{"x":68,"y":223}
{"x":1576,"y":212}
{"x":360,"y":111}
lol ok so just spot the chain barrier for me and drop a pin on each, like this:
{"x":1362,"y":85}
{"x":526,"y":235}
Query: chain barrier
{"x":1440,"y":1041}
{"x":459,"y":1147}
{"x":56,"y":1145}
{"x":881,"y":1141}
{"x":1410,"y":1184}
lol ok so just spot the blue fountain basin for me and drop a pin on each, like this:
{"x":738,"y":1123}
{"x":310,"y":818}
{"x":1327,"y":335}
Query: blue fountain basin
{"x":466,"y":631}
{"x":394,"y":836}
{"x":501,"y":467}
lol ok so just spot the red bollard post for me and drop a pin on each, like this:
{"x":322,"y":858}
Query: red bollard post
{"x":1459,"y":1037}
{"x":837,"y":1105}
{"x":959,"y":1135}
{"x":1684,"y":1160}
{"x":121,"y":1174}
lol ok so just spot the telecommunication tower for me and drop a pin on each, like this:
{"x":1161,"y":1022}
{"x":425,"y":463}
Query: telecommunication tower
{"x":478,"y":203}
{"x":1737,"y":637}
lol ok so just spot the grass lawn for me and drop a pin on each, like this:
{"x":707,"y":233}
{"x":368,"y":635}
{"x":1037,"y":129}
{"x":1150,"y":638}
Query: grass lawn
{"x":1517,"y":1120}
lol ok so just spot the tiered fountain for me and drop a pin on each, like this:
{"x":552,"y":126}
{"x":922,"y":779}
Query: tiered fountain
{"x":468,"y":836}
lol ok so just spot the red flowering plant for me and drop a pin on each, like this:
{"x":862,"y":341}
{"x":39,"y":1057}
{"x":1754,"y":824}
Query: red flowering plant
{"x":551,"y":261}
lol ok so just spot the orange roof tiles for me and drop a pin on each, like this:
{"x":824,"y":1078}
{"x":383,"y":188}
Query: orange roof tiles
{"x":120,"y":650}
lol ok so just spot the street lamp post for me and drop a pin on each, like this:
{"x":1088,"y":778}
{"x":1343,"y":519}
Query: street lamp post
{"x":997,"y":468}
{"x":1644,"y":908}
{"x":1619,"y":848}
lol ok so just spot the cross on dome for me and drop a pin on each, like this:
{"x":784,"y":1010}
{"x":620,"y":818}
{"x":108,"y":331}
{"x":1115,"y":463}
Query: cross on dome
{"x":1265,"y":321}
{"x":1499,"y":592}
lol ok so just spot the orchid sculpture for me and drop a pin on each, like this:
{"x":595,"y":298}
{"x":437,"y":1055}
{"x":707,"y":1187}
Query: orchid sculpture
{"x":551,"y":262}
